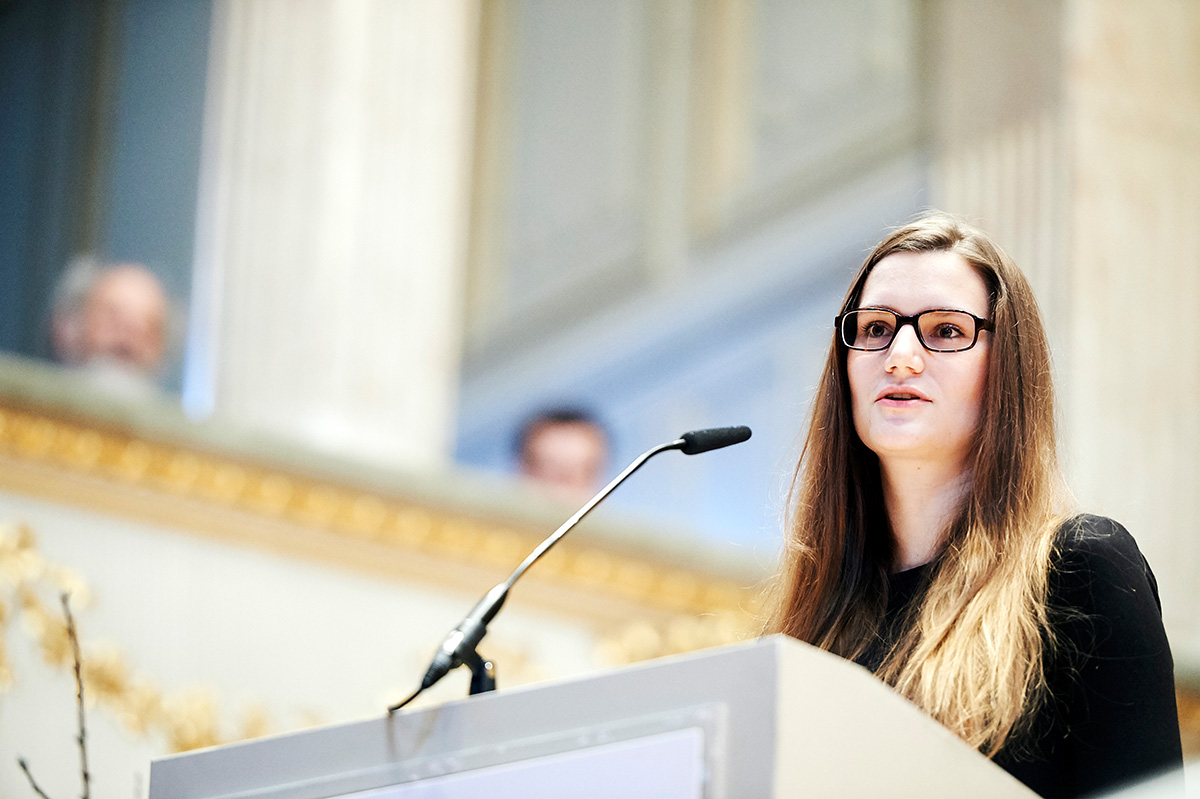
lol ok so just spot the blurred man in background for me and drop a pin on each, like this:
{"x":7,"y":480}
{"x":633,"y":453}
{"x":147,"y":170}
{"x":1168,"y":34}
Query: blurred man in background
{"x":113,"y":322}
{"x":565,"y":450}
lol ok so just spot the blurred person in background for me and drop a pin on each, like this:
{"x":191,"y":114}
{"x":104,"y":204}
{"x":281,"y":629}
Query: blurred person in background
{"x":564,"y":450}
{"x":112,"y":322}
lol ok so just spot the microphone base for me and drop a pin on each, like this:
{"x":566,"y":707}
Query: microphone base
{"x":483,"y":673}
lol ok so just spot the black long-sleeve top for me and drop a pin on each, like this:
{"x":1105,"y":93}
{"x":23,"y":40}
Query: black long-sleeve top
{"x":1111,"y":717}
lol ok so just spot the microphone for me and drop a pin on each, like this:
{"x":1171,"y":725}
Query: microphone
{"x":699,"y":441}
{"x":458,"y":648}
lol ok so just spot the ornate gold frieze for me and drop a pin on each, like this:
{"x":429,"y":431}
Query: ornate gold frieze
{"x":67,"y":447}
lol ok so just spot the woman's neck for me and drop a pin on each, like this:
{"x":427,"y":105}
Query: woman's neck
{"x":921,"y":499}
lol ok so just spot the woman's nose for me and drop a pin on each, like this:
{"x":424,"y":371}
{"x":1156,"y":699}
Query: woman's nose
{"x":906,"y":350}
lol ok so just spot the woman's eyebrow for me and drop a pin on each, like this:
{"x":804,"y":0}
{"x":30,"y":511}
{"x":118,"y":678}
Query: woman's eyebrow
{"x":893,"y":309}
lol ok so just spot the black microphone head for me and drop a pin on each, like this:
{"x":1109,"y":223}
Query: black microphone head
{"x":698,"y":441}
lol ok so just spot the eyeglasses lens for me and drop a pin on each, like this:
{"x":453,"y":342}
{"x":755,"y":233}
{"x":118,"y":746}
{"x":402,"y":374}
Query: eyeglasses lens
{"x":941,"y":331}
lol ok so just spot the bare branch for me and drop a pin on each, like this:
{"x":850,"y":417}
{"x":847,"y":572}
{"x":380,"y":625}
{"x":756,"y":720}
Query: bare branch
{"x":82,"y":739}
{"x":32,"y":782}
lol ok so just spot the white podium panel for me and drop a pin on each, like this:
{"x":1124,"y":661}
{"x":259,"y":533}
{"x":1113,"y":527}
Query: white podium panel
{"x":667,"y":766}
{"x":769,"y":718}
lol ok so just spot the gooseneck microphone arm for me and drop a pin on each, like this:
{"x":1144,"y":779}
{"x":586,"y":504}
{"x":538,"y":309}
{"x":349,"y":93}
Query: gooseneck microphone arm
{"x":458,"y":648}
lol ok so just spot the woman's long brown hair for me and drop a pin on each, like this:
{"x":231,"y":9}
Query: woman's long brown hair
{"x":972,"y":652}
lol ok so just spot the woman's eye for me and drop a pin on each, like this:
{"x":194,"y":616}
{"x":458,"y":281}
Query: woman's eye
{"x":947,"y":330}
{"x":876,"y":330}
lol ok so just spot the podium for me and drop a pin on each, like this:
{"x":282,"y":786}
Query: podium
{"x":771,"y":718}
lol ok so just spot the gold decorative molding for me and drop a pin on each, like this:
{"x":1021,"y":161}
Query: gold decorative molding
{"x":112,"y":470}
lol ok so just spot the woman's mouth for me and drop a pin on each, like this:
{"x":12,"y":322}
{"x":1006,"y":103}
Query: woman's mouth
{"x":901,"y":397}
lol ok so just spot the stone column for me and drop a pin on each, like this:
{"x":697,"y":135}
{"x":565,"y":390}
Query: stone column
{"x":1133,"y":395}
{"x":333,"y":222}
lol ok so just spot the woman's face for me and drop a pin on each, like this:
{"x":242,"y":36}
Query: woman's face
{"x":910,"y":403}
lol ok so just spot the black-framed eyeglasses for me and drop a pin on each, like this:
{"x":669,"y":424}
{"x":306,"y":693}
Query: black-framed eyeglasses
{"x":938,"y":330}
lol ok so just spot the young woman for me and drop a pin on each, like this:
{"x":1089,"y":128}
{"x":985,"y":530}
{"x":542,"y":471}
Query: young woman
{"x":928,"y":538}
